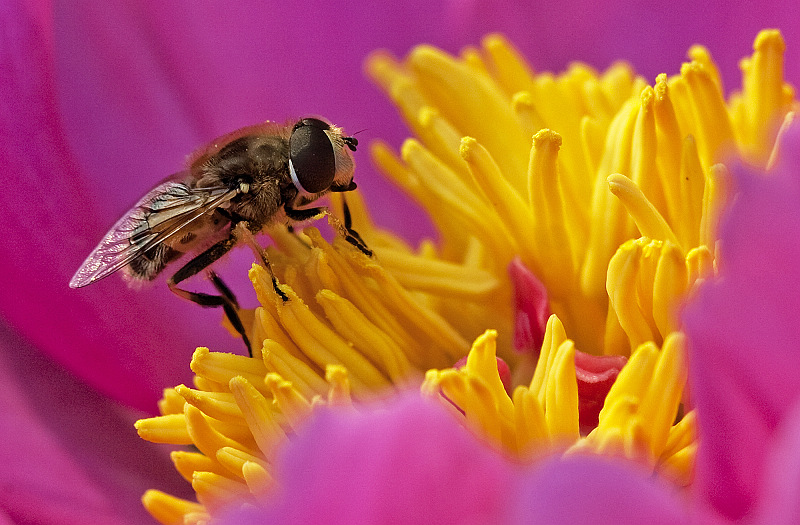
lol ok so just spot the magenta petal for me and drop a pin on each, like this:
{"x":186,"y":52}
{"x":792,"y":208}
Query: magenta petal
{"x":595,"y":490}
{"x":744,"y":332}
{"x":122,"y":342}
{"x":69,"y":456}
{"x":531,"y":308}
{"x":596,"y":375}
{"x":780,"y":494}
{"x":407,"y":462}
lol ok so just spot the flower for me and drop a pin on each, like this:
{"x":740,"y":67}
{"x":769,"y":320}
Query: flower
{"x":620,"y":230}
{"x":59,"y":98}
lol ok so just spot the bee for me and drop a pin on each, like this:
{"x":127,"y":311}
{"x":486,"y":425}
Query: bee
{"x":235,"y":186}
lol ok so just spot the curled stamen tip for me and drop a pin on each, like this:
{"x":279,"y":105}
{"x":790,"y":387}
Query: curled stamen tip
{"x":661,"y":89}
{"x":522,"y":99}
{"x":335,"y":374}
{"x":274,"y":381}
{"x":237,"y":382}
{"x":693,"y":68}
{"x":503,"y":371}
{"x":495,"y":40}
{"x":699,"y":53}
{"x":617,"y":182}
{"x":427,"y":56}
{"x":547,"y":137}
{"x":467,"y":148}
{"x":198,"y":356}
{"x":409,"y":149}
{"x":769,"y":37}
{"x":646,"y":97}
{"x":426,"y":115}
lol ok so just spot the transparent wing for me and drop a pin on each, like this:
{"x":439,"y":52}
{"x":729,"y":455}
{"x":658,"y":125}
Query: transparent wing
{"x":164,"y":212}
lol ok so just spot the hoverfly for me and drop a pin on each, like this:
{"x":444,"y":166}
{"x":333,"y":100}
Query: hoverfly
{"x":232,"y":188}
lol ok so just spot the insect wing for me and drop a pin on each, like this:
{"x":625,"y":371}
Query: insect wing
{"x":159,"y":215}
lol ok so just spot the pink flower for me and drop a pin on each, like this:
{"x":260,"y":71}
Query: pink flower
{"x":98,"y":102}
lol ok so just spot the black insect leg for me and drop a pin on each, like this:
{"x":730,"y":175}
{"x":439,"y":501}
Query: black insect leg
{"x":231,"y":308}
{"x":304,"y":214}
{"x":301,"y":215}
{"x":275,"y":286}
{"x":226,"y":300}
{"x":352,"y":236}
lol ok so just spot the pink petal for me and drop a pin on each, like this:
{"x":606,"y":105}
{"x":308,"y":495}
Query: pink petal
{"x":780,"y":494}
{"x":531,"y":307}
{"x":69,"y":455}
{"x":595,"y":490}
{"x":105,"y":333}
{"x":744,"y":334}
{"x":406,"y":462}
{"x":596,"y":375}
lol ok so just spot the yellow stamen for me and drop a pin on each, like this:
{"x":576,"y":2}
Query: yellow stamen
{"x":221,"y":368}
{"x":764,"y":95}
{"x":216,"y":492}
{"x":646,"y":280}
{"x":164,"y":429}
{"x":547,"y":203}
{"x":561,"y":409}
{"x":170,"y":510}
{"x":554,"y":337}
{"x":219,"y":405}
{"x":644,"y":214}
{"x":234,"y":460}
{"x":258,"y":479}
{"x":186,"y":463}
{"x":717,"y":192}
{"x":259,"y":415}
{"x":438,"y":74}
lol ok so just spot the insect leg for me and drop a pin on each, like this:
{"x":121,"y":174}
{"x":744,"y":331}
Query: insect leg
{"x":304,"y":214}
{"x":226,"y":300}
{"x":352,"y":236}
{"x":231,"y":308}
{"x":275,"y":286}
{"x":248,"y":236}
{"x":347,"y":232}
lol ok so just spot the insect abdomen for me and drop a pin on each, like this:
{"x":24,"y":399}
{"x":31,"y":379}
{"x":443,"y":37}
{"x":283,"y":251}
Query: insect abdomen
{"x":150,"y":263}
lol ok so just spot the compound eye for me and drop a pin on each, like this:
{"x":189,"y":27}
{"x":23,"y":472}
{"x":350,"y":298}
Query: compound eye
{"x":312,"y":161}
{"x":311,"y":121}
